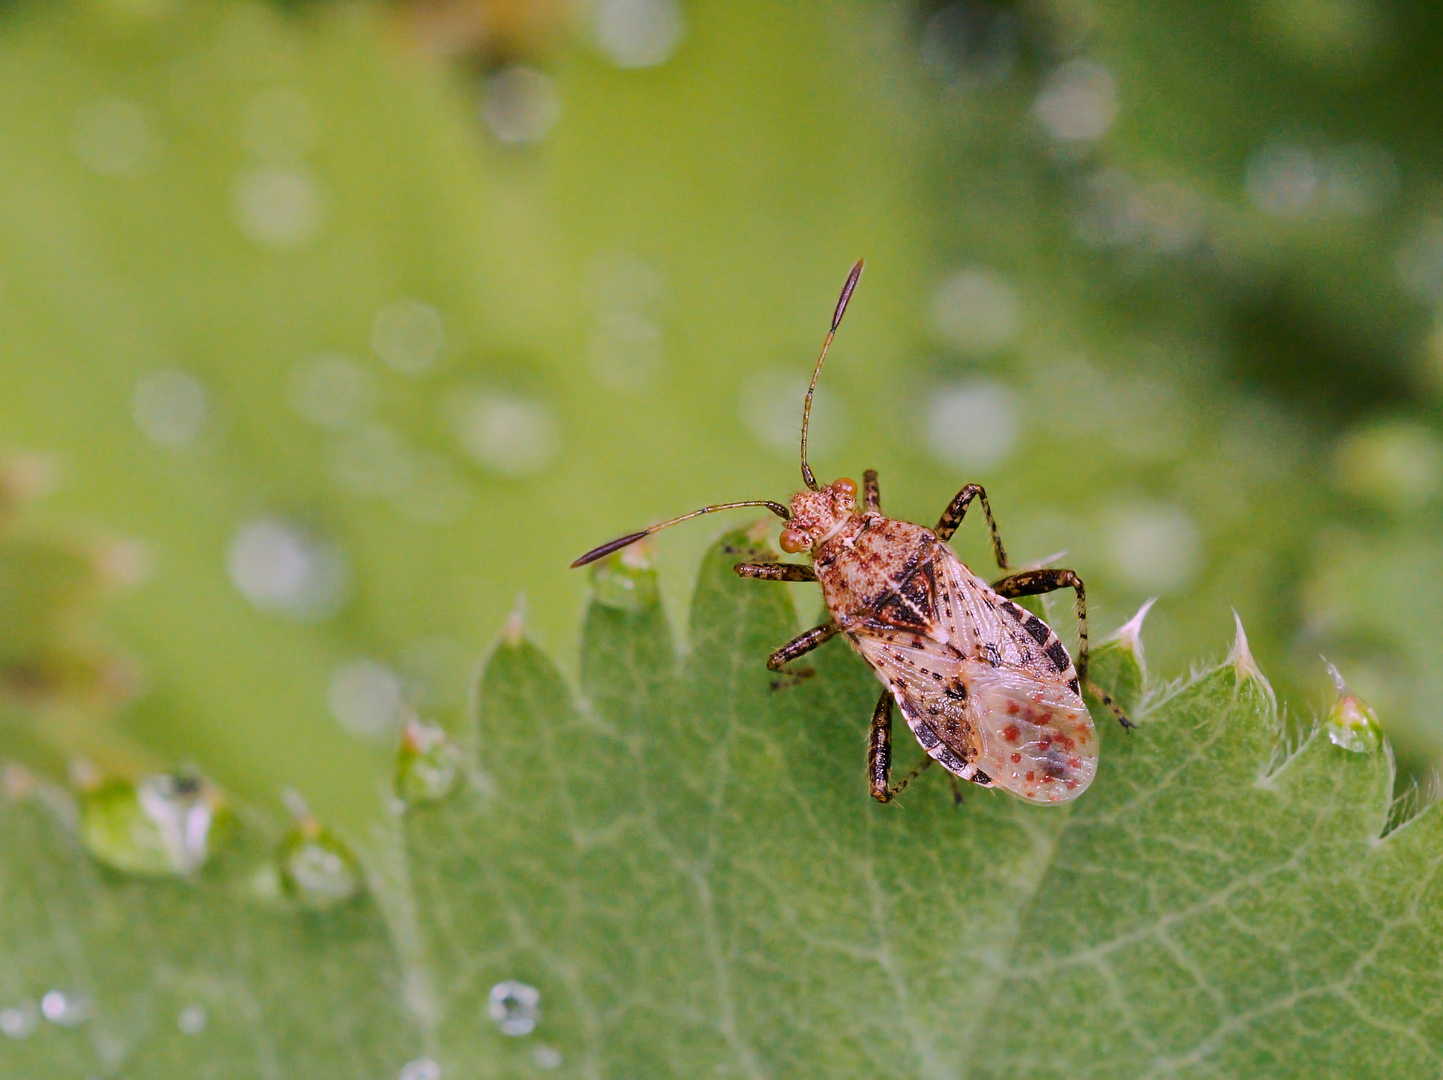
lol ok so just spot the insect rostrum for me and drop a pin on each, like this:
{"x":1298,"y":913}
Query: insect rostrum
{"x":986,"y":686}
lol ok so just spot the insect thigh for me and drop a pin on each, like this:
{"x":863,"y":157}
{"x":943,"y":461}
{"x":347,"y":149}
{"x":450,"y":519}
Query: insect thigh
{"x":957,"y":510}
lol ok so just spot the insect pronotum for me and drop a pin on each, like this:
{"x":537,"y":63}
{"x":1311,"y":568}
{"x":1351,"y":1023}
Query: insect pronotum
{"x":986,"y":686}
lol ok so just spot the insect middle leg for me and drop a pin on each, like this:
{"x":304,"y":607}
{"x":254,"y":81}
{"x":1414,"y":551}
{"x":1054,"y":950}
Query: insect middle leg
{"x":799,"y":646}
{"x":879,"y":754}
{"x":957,"y":510}
{"x":1037,"y":582}
{"x":776,"y":571}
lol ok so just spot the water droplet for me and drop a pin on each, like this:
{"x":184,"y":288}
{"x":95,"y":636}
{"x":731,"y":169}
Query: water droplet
{"x":427,"y":763}
{"x":278,"y":207}
{"x":970,"y":45}
{"x":769,"y":404}
{"x":317,"y":870}
{"x":514,"y":1007}
{"x":374,"y":461}
{"x":192,"y":1019}
{"x":1077,"y":101}
{"x":65,"y":1010}
{"x":282,"y":569}
{"x":169,"y":407}
{"x":626,"y":581}
{"x":507,"y":434}
{"x":331,"y":390}
{"x":1156,"y":548}
{"x":638,"y":33}
{"x":625,"y":350}
{"x":420,"y":1069}
{"x":114,"y":137}
{"x":20,"y":1021}
{"x":159,"y":827}
{"x":436,"y":495}
{"x":1361,"y":179}
{"x":1282,"y":179}
{"x":1351,"y":723}
{"x":520,"y":105}
{"x":365,"y":696}
{"x":409,"y":336}
{"x":972,"y":425}
{"x":1419,"y":261}
{"x":279,"y":125}
{"x":1395,"y":464}
{"x":976,"y":311}
{"x":546,"y":1057}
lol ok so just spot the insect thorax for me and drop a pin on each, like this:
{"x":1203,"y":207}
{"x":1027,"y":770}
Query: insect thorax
{"x":870,"y":557}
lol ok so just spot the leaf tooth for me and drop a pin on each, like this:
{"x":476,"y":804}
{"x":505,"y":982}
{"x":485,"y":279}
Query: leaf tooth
{"x":1240,"y":659}
{"x":1129,"y":635}
{"x":514,"y":631}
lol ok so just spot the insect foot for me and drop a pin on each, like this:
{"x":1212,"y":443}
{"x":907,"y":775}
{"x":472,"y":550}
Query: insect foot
{"x":987,"y":688}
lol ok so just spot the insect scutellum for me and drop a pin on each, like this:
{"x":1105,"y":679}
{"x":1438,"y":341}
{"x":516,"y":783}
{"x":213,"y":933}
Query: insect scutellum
{"x":986,"y":686}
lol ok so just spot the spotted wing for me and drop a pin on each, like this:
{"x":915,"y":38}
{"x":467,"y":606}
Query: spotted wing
{"x":986,"y":687}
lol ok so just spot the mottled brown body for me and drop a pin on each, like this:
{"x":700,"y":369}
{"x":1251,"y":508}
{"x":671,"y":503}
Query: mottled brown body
{"x":985,"y":686}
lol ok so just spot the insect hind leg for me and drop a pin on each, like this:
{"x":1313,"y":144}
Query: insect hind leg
{"x":879,"y":754}
{"x":799,"y":646}
{"x":1037,"y":582}
{"x":957,"y":509}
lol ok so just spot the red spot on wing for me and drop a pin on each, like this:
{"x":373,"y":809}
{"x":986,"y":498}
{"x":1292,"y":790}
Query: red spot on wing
{"x":1011,"y":733}
{"x":1012,"y":708}
{"x":1017,"y":759}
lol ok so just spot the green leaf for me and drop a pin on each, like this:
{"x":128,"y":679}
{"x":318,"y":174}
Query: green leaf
{"x":679,"y":873}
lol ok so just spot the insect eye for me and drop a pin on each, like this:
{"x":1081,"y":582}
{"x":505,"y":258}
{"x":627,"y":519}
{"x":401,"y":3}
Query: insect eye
{"x":846,"y":487}
{"x":792,"y":541}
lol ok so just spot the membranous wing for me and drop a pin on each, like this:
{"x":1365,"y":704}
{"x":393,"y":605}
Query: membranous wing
{"x":986,"y":687}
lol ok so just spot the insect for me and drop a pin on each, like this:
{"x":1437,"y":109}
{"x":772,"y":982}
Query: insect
{"x":987,"y":688}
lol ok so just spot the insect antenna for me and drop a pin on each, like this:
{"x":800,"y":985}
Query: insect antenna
{"x":622,"y":541}
{"x":851,"y":284}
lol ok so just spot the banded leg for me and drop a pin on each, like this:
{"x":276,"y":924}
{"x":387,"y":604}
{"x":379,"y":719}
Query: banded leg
{"x":879,"y":754}
{"x":799,"y":646}
{"x":776,"y":571}
{"x":1037,"y":582}
{"x":957,"y":510}
{"x":872,"y":498}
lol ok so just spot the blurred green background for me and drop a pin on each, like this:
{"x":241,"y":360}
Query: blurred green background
{"x":331,"y":329}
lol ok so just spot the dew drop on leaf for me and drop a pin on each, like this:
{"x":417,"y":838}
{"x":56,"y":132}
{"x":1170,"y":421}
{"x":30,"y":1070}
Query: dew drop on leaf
{"x":514,"y":1006}
{"x":158,"y":827}
{"x":317,"y":870}
{"x":626,"y":581}
{"x":426,"y":764}
{"x":1351,"y":723}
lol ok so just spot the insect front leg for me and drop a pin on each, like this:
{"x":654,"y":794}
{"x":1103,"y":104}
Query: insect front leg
{"x":799,"y":646}
{"x":1037,"y":582}
{"x":957,"y":510}
{"x":872,"y":497}
{"x":777,"y":571}
{"x":879,"y":754}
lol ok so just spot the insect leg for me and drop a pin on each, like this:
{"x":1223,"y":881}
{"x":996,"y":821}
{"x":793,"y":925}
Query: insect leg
{"x":879,"y":754}
{"x":957,"y":510}
{"x":777,"y":571}
{"x":1037,"y":582}
{"x":873,"y":497}
{"x":799,"y":646}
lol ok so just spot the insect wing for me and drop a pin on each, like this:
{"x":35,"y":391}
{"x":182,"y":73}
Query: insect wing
{"x":1023,"y":699}
{"x":986,"y":688}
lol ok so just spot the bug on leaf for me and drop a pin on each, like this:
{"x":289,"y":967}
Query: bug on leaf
{"x":987,"y":688}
